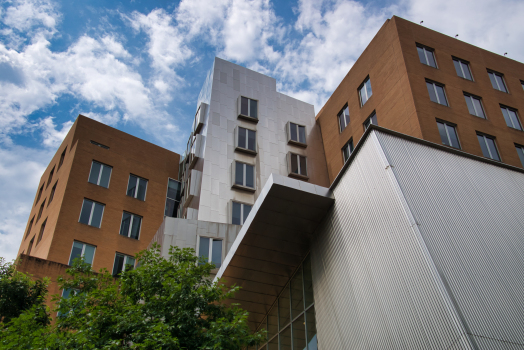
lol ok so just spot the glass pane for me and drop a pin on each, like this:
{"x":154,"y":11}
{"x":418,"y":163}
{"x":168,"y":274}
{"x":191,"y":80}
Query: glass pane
{"x":142,"y":186}
{"x":170,"y":207}
{"x":106,"y":174}
{"x":469,"y":102}
{"x":457,"y":68}
{"x":203,"y":249}
{"x":243,"y":106}
{"x":272,"y":321}
{"x":373,"y":119}
{"x":483,"y":146}
{"x":66,"y":293}
{"x":86,"y":212}
{"x":514,"y":119}
{"x":236,"y":214}
{"x":118,"y":265}
{"x":76,"y":252}
{"x":478,"y":108}
{"x":216,"y":253}
{"x":242,"y":137}
{"x":253,"y":109}
{"x":297,"y":296}
{"x":506,"y":116}
{"x":362,"y":94}
{"x":431,"y":59}
{"x":341,"y":121}
{"x":131,"y":186}
{"x":308,"y":282}
{"x":493,"y":80}
{"x":443,"y":134}
{"x":95,"y":172}
{"x":441,"y":95}
{"x":467,"y":73}
{"x":239,"y":173}
{"x":311,"y":329}
{"x":421,"y":55}
{"x":303,"y":170}
{"x":492,"y":148}
{"x":263,"y":325}
{"x":302,"y":134}
{"x":247,"y":210}
{"x":500,"y":81}
{"x":89,"y":253}
{"x":135,"y":229}
{"x":124,"y":226}
{"x":173,"y":189}
{"x":273,"y":344}
{"x":368,"y":88}
{"x":345,"y":152}
{"x":283,"y":308}
{"x":130,"y":263}
{"x":431,"y":91}
{"x":293,"y":132}
{"x":299,"y":333}
{"x":251,"y":140}
{"x":520,"y":152}
{"x":294,"y":163}
{"x":285,"y":339}
{"x":250,"y":176}
{"x":453,"y":136}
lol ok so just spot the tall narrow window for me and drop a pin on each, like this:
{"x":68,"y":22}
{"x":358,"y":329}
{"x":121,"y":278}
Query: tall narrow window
{"x":497,"y":81}
{"x":91,"y":213}
{"x":100,"y":174}
{"x":172,"y":198}
{"x":50,"y":177}
{"x":372,"y":119}
{"x":296,"y":134}
{"x":488,"y":146}
{"x":436,"y":93}
{"x":426,"y":56}
{"x":347,"y":150}
{"x":30,"y":246}
{"x":462,"y":68}
{"x":211,"y":250}
{"x":82,"y":250}
{"x":239,"y":212}
{"x":130,"y":226}
{"x":297,"y":164}
{"x":520,"y":152}
{"x":244,"y":175}
{"x":474,"y":105}
{"x":448,"y":134}
{"x":42,"y":229}
{"x":246,"y":140}
{"x":364,"y":91}
{"x":511,"y":117}
{"x":522,"y":83}
{"x":40,"y":211}
{"x":39,"y":193}
{"x":122,"y":263}
{"x":62,"y":157}
{"x":343,"y":118}
{"x":29,"y":227}
{"x":52,"y":194}
{"x":137,"y":187}
{"x":248,"y":108}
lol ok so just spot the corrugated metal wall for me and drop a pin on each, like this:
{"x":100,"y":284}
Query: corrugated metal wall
{"x":375,"y":285}
{"x":471,"y":217}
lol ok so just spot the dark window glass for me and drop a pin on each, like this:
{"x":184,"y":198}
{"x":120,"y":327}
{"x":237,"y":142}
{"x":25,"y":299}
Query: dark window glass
{"x":520,"y":152}
{"x":99,"y":144}
{"x":237,"y":208}
{"x":242,"y":137}
{"x":104,"y":177}
{"x":29,"y":227}
{"x":311,"y":329}
{"x":441,"y":96}
{"x":86,"y":212}
{"x":253,"y":109}
{"x":299,"y":333}
{"x":250,"y":175}
{"x":95,"y":172}
{"x":251,"y":140}
{"x":303,"y":170}
{"x":426,"y":56}
{"x":52,"y":195}
{"x":308,"y":282}
{"x":347,"y":150}
{"x":511,"y":118}
{"x":41,"y":234}
{"x":135,"y":229}
{"x":96,"y":219}
{"x":142,"y":185}
{"x":272,"y":321}
{"x":436,"y":93}
{"x":216,"y":253}
{"x":297,"y":296}
{"x":372,"y":119}
{"x":284,"y":308}
{"x":293,"y":132}
{"x":173,"y":198}
{"x":244,"y":106}
{"x":489,"y":149}
{"x":364,"y":91}
{"x":62,"y":157}
{"x":203,"y":249}
{"x":76,"y":252}
{"x":50,"y":177}
{"x":239,"y":173}
{"x":343,"y":118}
{"x":301,"y":134}
{"x":131,"y":185}
{"x":285,"y":339}
{"x":462,"y":68}
{"x":497,"y":81}
{"x":247,"y":210}
{"x":119,"y":264}
{"x":448,"y":134}
{"x":39,"y":194}
{"x":294,"y":164}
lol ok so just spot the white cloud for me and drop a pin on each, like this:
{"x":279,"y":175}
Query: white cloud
{"x":23,"y":15}
{"x":106,"y":118}
{"x":52,"y":137}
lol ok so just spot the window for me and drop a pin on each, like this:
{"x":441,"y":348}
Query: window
{"x":130,"y":226}
{"x":343,"y":118}
{"x":488,"y":146}
{"x":244,"y":175}
{"x":172,"y":198}
{"x":474,"y":105}
{"x":426,"y":56}
{"x":100,"y":174}
{"x":40,"y":211}
{"x":52,"y":195}
{"x":240,"y":211}
{"x":29,"y":227}
{"x":30,"y":246}
{"x":448,"y":134}
{"x":62,"y":156}
{"x":99,"y":144}
{"x":296,"y":134}
{"x":39,"y":193}
{"x":211,"y":250}
{"x":247,"y":108}
{"x":137,"y":187}
{"x":82,"y":250}
{"x":522,"y":83}
{"x":436,"y":93}
{"x":364,"y":91}
{"x":41,"y":234}
{"x":372,"y":119}
{"x":91,"y":213}
{"x":246,"y":140}
{"x":122,"y":263}
{"x":347,"y":150}
{"x":497,"y":81}
{"x":297,"y":165}
{"x":462,"y":68}
{"x":50,"y":177}
{"x":511,"y":117}
{"x":520,"y":152}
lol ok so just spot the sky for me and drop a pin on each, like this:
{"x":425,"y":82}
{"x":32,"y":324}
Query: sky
{"x":139,"y":65}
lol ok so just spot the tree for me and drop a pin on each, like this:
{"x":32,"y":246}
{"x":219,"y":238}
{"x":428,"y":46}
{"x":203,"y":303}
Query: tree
{"x":162,"y":304}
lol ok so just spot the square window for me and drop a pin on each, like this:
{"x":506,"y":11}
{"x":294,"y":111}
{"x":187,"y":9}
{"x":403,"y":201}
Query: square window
{"x":62,"y":157}
{"x":122,"y":263}
{"x":364,"y":91}
{"x":343,"y":118}
{"x":520,"y":152}
{"x":511,"y":117}
{"x":247,"y":108}
{"x":84,"y":250}
{"x":137,"y":187}
{"x":497,"y":81}
{"x":172,"y":198}
{"x":474,"y":105}
{"x":52,"y":195}
{"x":488,"y":146}
{"x":426,"y":56}
{"x":100,"y":174}
{"x":41,"y":234}
{"x":210,"y":249}
{"x":130,"y":226}
{"x":372,"y":119}
{"x":296,"y":134}
{"x":91,"y":213}
{"x":39,"y":194}
{"x":239,"y":212}
{"x":448,"y":134}
{"x":347,"y":150}
{"x":246,"y":140}
{"x":29,"y":227}
{"x":462,"y":68}
{"x":297,"y":165}
{"x":243,"y":176}
{"x":436,"y":93}
{"x":50,"y":177}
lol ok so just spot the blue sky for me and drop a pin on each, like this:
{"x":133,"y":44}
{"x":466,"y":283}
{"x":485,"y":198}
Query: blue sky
{"x":139,"y":65}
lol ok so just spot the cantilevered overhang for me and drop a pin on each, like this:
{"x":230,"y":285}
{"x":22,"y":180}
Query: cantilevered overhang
{"x":273,"y":241}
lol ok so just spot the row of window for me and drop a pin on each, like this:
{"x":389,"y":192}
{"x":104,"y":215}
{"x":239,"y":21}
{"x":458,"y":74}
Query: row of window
{"x":86,"y":251}
{"x":100,"y":175}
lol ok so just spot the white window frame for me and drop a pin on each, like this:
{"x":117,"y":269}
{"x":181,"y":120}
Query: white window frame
{"x":290,"y":172}
{"x":426,"y":50}
{"x":210,"y":252}
{"x":131,"y":224}
{"x":350,"y":150}
{"x":242,"y":205}
{"x":83,"y":250}
{"x":369,"y":119}
{"x":460,"y":61}
{"x":361,"y":88}
{"x":473,"y":97}
{"x":239,"y":148}
{"x":503,"y":81}
{"x":341,"y":116}
{"x":125,"y":260}
{"x":243,"y":186}
{"x":99,"y":178}
{"x":514,"y":111}
{"x":136,"y":186}
{"x":244,"y":116}
{"x":484,"y":136}
{"x":435,"y":84}
{"x":454,"y":126}
{"x":517,"y":146}
{"x":297,"y":127}
{"x":91,"y":213}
